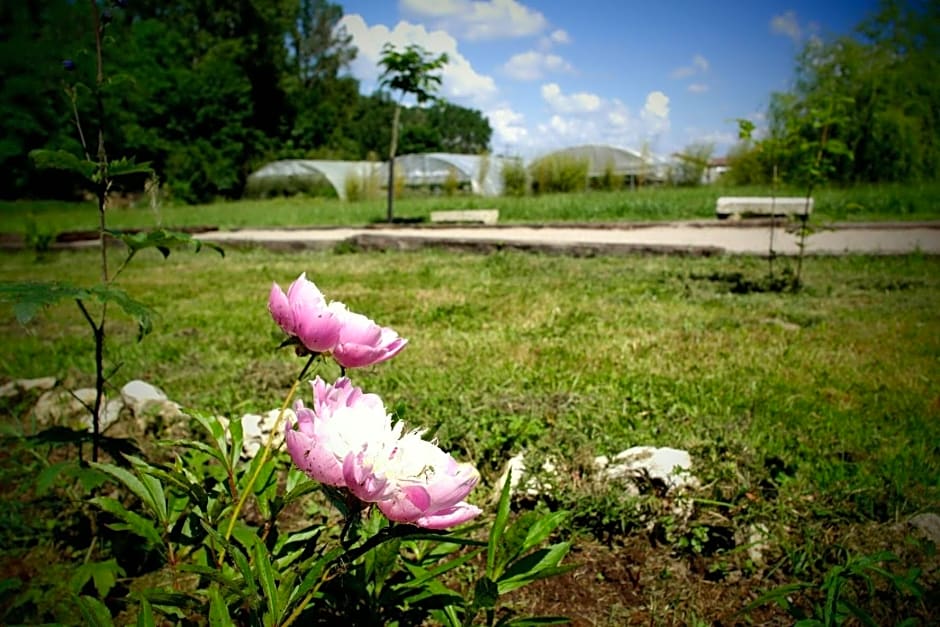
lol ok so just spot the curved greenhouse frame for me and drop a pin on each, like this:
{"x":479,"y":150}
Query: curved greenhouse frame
{"x":335,"y":172}
{"x":481,"y":173}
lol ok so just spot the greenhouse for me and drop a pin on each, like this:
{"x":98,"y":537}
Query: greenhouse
{"x":477,"y":174}
{"x":298,"y":174}
{"x":609,"y":160}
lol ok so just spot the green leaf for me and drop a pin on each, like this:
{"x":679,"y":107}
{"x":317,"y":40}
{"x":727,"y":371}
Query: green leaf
{"x":126,"y":166}
{"x":94,"y":612}
{"x":29,"y":297}
{"x":104,"y":574}
{"x":145,"y":614}
{"x":542,"y":528}
{"x":266,"y":577}
{"x":537,"y":565}
{"x":218,"y":610}
{"x":161,"y":239}
{"x":62,"y":160}
{"x":134,"y":522}
{"x":485,"y":593}
{"x":133,"y":483}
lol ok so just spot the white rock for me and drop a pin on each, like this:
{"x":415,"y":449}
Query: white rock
{"x":667,"y":465}
{"x":13,"y":388}
{"x":928,"y":524}
{"x":42,"y":383}
{"x":601,"y":462}
{"x":523,"y":481}
{"x":62,"y":407}
{"x":140,"y":395}
{"x":515,"y":465}
{"x":256,"y":429}
{"x":758,"y":543}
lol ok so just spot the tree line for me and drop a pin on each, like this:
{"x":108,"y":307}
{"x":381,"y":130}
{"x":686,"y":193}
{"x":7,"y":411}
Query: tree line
{"x":204,"y":90}
{"x":864,"y":107}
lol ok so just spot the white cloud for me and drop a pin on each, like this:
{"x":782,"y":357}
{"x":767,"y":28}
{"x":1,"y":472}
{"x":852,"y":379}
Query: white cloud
{"x":508,"y":126}
{"x":699,"y":65}
{"x":560,"y":36}
{"x":657,"y":104}
{"x":532,"y":65}
{"x":581,"y":102}
{"x":479,"y":19}
{"x":611,"y":123}
{"x":460,"y":81}
{"x":786,"y":24}
{"x":697,"y":88}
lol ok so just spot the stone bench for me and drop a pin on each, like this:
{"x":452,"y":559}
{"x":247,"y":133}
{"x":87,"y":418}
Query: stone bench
{"x":474,"y":216}
{"x":737,"y":207}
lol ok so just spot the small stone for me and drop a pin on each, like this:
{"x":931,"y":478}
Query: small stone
{"x":139,"y":395}
{"x":8,"y":389}
{"x":648,"y":463}
{"x":41,"y":383}
{"x":256,"y":429}
{"x":928,"y":524}
{"x":70,"y":409}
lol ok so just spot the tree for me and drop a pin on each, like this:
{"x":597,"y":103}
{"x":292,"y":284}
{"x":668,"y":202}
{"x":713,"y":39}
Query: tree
{"x":409,"y":72}
{"x":867,"y":100}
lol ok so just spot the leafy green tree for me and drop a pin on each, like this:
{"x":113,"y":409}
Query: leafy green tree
{"x":413,"y":72}
{"x":869,"y":100}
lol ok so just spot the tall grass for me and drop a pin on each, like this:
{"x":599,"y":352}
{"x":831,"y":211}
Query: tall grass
{"x":869,"y":202}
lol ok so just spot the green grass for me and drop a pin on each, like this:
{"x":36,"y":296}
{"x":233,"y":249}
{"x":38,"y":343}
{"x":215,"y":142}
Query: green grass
{"x":871,"y":202}
{"x":578,"y":356}
{"x":815,"y":415}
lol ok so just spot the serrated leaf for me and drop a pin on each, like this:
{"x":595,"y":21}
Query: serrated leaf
{"x":29,"y":297}
{"x":161,"y":239}
{"x":103,"y":574}
{"x":94,"y":612}
{"x":62,"y":160}
{"x":126,"y":166}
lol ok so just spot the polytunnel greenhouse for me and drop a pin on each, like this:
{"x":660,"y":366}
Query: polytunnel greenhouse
{"x":609,"y":160}
{"x":306,"y":174}
{"x":478,"y":174}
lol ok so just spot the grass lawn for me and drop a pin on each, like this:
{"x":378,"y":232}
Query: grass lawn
{"x":814,"y":416}
{"x":870,"y":202}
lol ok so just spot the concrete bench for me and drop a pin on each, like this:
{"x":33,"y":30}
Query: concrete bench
{"x":737,"y":207}
{"x":475,"y":216}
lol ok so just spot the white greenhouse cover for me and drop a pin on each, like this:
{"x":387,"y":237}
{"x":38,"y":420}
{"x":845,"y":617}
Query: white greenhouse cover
{"x":484,"y":173}
{"x":336,"y":172}
{"x":623,"y":161}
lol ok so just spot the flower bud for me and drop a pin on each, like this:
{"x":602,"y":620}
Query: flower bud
{"x":68,"y":65}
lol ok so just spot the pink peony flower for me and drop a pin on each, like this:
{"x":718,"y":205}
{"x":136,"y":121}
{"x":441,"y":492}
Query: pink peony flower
{"x":363,"y":343}
{"x":354,"y":340}
{"x":413,"y":482}
{"x":304,"y":314}
{"x":346,"y":439}
{"x":341,"y":421}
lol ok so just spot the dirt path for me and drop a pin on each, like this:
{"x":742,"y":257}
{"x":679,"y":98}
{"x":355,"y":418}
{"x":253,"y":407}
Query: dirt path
{"x":678,"y":237}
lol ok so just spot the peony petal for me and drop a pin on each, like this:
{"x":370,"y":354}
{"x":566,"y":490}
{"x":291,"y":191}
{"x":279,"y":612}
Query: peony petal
{"x":444,"y":519}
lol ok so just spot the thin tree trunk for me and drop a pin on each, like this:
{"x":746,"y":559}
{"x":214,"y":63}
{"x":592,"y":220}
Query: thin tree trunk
{"x":391,"y":164}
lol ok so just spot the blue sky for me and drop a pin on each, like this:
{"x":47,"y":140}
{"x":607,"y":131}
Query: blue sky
{"x":652,"y":75}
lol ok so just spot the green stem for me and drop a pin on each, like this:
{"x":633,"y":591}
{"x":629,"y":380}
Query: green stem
{"x":265,"y":453}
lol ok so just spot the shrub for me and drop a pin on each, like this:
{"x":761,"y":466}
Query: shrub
{"x":515,"y":178}
{"x":559,"y":173}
